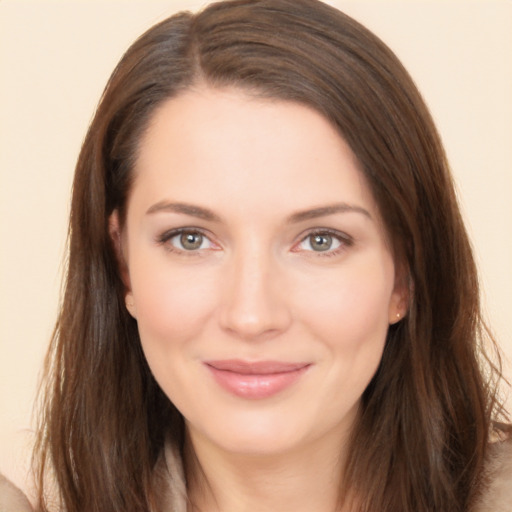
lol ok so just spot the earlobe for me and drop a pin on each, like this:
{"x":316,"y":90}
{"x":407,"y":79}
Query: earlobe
{"x":396,"y":313}
{"x":130,"y":304}
{"x":396,"y":318}
{"x":399,"y":303}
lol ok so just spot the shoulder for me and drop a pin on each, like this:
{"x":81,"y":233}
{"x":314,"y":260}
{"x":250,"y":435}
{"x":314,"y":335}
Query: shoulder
{"x":11,"y":498}
{"x":496,"y":494}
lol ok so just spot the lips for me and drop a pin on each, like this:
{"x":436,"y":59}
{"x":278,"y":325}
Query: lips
{"x":255,"y":379}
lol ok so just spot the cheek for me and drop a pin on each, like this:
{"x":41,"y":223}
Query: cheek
{"x":348,"y":310}
{"x":172,"y":305}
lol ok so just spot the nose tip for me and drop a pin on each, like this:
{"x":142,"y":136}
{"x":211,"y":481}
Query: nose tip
{"x":254,"y":304}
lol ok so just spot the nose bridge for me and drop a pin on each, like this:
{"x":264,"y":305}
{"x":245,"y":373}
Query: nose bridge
{"x":253,"y":304}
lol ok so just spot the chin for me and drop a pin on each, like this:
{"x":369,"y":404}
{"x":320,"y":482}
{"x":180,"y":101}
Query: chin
{"x":254,"y":445}
{"x":263,"y":433}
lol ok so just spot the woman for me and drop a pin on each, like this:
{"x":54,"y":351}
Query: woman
{"x":271,"y":301}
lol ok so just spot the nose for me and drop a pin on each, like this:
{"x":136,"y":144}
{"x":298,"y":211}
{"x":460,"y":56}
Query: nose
{"x":254,"y":303}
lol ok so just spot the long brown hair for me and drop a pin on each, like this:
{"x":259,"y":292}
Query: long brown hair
{"x":420,"y":442}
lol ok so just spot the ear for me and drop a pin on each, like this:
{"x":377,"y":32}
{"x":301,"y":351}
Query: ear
{"x":399,"y":303}
{"x":114,"y":229}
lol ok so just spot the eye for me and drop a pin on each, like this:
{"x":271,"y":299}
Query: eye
{"x":319,"y":242}
{"x":186,"y":240}
{"x":326,"y":242}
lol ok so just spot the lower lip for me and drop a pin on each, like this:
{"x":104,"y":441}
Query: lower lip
{"x":256,"y":386}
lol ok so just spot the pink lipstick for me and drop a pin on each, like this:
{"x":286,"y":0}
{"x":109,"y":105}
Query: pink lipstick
{"x":255,"y":380}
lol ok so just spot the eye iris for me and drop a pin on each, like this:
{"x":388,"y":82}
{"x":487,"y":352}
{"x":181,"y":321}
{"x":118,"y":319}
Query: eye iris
{"x":191,"y":241}
{"x":321,"y":242}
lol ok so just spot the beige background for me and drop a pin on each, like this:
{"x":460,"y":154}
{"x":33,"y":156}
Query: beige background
{"x":55,"y":57}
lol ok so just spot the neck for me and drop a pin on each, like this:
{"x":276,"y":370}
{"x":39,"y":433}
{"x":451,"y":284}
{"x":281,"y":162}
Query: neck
{"x":304,"y":480}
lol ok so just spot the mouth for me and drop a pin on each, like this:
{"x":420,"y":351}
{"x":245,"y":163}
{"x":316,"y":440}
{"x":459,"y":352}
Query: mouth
{"x":256,"y":379}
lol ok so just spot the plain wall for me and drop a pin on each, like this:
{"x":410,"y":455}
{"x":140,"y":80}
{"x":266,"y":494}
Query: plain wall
{"x":55,"y":57}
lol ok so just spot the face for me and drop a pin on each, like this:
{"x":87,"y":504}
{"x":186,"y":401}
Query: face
{"x":258,"y":270}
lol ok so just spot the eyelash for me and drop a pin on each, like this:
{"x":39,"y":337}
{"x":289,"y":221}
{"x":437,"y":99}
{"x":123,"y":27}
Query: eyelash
{"x":344,"y":240}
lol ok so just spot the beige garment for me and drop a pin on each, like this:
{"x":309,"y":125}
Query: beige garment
{"x":496,"y":494}
{"x":497,"y":491}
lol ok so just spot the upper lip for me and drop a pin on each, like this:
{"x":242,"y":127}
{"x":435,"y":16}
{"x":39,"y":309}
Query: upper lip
{"x":255,"y":367}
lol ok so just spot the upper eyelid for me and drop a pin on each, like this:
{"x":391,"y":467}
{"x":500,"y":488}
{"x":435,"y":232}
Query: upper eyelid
{"x":170,"y":233}
{"x":326,"y":231}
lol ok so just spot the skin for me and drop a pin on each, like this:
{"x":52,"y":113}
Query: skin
{"x":256,"y":287}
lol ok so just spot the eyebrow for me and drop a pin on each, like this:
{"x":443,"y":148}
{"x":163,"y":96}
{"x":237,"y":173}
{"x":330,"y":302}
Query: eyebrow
{"x":322,"y":211}
{"x":206,"y":214}
{"x":184,"y":208}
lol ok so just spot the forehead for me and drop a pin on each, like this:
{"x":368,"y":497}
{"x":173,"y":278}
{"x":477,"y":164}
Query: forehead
{"x":212,"y":145}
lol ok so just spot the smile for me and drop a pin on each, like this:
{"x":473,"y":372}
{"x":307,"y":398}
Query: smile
{"x":255,"y":380}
